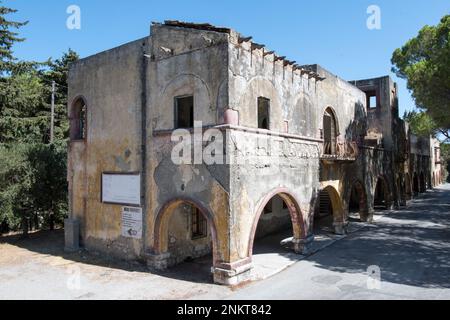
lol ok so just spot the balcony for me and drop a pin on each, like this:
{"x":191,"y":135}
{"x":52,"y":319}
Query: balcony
{"x":340,"y":151}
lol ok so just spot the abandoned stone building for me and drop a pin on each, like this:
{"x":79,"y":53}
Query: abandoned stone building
{"x":303,"y":147}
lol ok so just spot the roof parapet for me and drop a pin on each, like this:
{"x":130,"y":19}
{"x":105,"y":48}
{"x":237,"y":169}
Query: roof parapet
{"x":241,"y":40}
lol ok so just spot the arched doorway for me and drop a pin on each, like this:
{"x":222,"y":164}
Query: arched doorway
{"x":357,"y":203}
{"x":278,"y":224}
{"x":416,"y":186}
{"x":423,"y":183}
{"x":330,"y":131}
{"x":408,"y":188}
{"x":381,"y":197}
{"x":185,"y":230}
{"x":329,"y":212}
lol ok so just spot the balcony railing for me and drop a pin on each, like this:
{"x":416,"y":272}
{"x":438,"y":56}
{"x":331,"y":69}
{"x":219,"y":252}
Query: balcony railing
{"x":340,"y":151}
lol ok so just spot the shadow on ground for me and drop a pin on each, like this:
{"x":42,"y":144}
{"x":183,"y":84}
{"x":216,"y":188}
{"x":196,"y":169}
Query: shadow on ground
{"x":411,"y":246}
{"x":52,"y":243}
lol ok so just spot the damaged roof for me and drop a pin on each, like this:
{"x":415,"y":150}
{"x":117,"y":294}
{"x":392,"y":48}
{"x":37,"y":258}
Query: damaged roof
{"x":197,"y":26}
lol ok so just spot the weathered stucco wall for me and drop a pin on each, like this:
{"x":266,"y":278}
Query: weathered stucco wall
{"x":110,"y":84}
{"x":186,"y":62}
{"x":130,"y":95}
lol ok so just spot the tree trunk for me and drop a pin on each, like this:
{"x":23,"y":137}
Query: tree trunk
{"x":52,"y":221}
{"x":25,"y":226}
{"x":36,"y":221}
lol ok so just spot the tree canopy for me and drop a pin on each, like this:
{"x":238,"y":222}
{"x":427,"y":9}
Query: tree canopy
{"x":424,"y":62}
{"x":33,"y":185}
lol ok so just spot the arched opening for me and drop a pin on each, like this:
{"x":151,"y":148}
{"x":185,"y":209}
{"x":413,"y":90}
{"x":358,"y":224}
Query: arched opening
{"x":422,"y":183}
{"x":357,"y":204}
{"x":416,"y":187}
{"x":330,"y":132}
{"x":329,"y":213}
{"x":277,"y":226}
{"x":78,"y":120}
{"x":408,"y":188}
{"x":382,"y":195}
{"x":184,"y":231}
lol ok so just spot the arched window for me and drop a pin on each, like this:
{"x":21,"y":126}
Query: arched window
{"x":329,"y":131}
{"x":78,"y":118}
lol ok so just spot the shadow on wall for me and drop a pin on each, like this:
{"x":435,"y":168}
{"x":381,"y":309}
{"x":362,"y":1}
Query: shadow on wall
{"x":411,"y":247}
{"x":357,"y":129}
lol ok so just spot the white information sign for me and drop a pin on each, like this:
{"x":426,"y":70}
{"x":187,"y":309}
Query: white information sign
{"x":121,"y":188}
{"x":132,"y":222}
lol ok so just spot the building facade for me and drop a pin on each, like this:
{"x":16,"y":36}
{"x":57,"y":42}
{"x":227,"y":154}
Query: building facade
{"x":264,"y":144}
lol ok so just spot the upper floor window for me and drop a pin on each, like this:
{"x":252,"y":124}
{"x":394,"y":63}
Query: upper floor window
{"x":329,"y":132}
{"x":372,"y":100}
{"x":184,"y":112}
{"x":78,"y":119}
{"x":263,"y":113}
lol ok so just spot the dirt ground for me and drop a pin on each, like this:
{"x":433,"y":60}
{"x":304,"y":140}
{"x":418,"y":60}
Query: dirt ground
{"x":38,"y":268}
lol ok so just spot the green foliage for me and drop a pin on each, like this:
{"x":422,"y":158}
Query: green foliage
{"x":421,"y":124}
{"x":8,"y":38}
{"x":15,"y":184}
{"x":49,"y":184}
{"x":32,"y":171}
{"x":424,"y":62}
{"x":32,"y":180}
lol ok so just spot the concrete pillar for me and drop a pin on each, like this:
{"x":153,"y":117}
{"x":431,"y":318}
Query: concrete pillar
{"x":158,"y":261}
{"x":303,"y":246}
{"x":366,"y":215}
{"x":231,"y":274}
{"x":231,"y":117}
{"x":72,"y":235}
{"x":340,"y":227}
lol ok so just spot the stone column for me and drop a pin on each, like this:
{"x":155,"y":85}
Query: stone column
{"x":303,"y":246}
{"x":159,"y":261}
{"x":231,"y":274}
{"x":366,"y":215}
{"x":340,"y":227}
{"x":72,"y":235}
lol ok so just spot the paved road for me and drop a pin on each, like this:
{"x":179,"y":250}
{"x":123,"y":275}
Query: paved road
{"x":411,"y":247}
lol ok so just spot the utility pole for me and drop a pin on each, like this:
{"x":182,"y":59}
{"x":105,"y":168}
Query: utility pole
{"x":52,"y":119}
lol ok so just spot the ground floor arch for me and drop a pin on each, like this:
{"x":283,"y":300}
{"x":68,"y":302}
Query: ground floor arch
{"x":329,"y":212}
{"x":422,"y":183}
{"x":382,"y":194}
{"x":408,"y":187}
{"x":184,"y":229}
{"x":281,"y":206}
{"x":357,"y":201}
{"x":416,"y":185}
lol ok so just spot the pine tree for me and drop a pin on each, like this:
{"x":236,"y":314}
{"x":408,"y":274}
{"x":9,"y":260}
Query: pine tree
{"x":8,"y":38}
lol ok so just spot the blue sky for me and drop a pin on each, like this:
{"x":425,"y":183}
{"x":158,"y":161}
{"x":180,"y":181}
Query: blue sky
{"x":331,"y":33}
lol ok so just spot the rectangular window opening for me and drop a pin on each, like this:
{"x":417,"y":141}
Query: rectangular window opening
{"x":263,"y":113}
{"x":199,"y":224}
{"x":184,"y":112}
{"x":372,"y":100}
